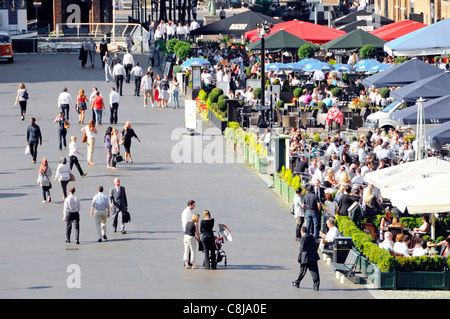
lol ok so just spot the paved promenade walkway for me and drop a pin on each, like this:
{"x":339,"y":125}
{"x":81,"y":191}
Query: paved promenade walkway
{"x":147,"y":261}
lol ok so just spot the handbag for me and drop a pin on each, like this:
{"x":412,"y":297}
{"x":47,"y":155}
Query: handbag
{"x":126,"y":217}
{"x":84,"y":138}
{"x":293,"y":209}
{"x":27,"y":150}
{"x":72,"y":177}
{"x":119,"y":158}
{"x":200,"y":246}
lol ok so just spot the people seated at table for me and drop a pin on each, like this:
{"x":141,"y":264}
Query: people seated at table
{"x":419,"y":249}
{"x":424,"y":228}
{"x":387,"y":243}
{"x":331,"y":234}
{"x":385,"y":222}
{"x":401,"y":246}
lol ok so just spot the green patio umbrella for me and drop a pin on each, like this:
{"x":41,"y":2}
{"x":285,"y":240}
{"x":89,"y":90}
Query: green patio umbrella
{"x":353,"y":41}
{"x":280,"y":41}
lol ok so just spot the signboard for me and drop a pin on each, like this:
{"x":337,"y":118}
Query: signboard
{"x":190,"y":114}
{"x":224,"y":85}
{"x":196,"y":78}
{"x":166,"y":69}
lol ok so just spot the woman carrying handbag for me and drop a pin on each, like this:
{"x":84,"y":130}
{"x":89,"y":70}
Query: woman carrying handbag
{"x":115,"y":148}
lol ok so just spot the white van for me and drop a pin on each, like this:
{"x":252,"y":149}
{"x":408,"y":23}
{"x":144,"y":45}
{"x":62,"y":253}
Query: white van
{"x":382,"y":119}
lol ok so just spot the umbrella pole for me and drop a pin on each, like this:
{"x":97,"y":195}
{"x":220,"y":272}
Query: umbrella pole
{"x":433,"y":228}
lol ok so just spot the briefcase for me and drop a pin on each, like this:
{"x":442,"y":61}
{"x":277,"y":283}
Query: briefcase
{"x":126,"y":218}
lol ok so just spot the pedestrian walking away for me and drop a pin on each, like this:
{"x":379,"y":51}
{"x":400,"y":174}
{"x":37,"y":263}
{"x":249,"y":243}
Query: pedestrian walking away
{"x":100,"y":211}
{"x":119,"y":73}
{"x":73,"y":159}
{"x":63,"y":175}
{"x":22,"y":98}
{"x":118,"y":204}
{"x":63,"y":125}
{"x":114,"y":101}
{"x":43,"y":180}
{"x":307,"y":258}
{"x":81,"y":105}
{"x":71,"y":215}
{"x":90,"y":132}
{"x":34,"y":138}
{"x":137,"y":73}
{"x":65,"y":102}
{"x":312,"y":205}
{"x":127,"y":134}
{"x":98,"y":106}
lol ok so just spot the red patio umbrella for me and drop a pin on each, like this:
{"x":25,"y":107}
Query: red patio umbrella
{"x":395,"y":30}
{"x":314,"y":33}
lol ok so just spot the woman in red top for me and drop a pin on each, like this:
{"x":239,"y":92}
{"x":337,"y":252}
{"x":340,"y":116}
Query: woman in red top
{"x":98,"y":106}
{"x":81,"y":106}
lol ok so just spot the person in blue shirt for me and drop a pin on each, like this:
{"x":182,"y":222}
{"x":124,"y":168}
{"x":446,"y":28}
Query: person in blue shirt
{"x":328,"y":101}
{"x":100,"y":210}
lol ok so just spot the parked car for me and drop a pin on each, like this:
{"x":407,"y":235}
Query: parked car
{"x":382,"y":119}
{"x":6,"y":51}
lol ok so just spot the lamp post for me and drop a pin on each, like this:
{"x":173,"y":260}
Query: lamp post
{"x":263,"y":29}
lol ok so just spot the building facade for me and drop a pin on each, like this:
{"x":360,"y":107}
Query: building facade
{"x":425,"y":11}
{"x":13,"y":16}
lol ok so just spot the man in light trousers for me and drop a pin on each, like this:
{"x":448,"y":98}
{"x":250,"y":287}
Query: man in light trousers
{"x":100,"y":211}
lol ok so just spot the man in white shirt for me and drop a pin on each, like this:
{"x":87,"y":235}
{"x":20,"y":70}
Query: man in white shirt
{"x":114,"y":101}
{"x":92,"y":50}
{"x":332,"y":148}
{"x":128,"y":63}
{"x":187,"y":213}
{"x":137,"y":72}
{"x":331,"y":234}
{"x":147,"y":88}
{"x":388,"y":243}
{"x":71,"y":215}
{"x":219,"y":75}
{"x":65,"y":103}
{"x":119,"y":73}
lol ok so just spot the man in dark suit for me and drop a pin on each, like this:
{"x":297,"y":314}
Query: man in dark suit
{"x":118,"y":203}
{"x":307,"y":258}
{"x":103,"y":50}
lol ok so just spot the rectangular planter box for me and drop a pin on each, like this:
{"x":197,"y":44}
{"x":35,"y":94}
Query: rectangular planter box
{"x":221,"y":125}
{"x":246,"y":152}
{"x":432,"y":280}
{"x":277,"y":183}
{"x":285,"y":190}
{"x":261,"y":165}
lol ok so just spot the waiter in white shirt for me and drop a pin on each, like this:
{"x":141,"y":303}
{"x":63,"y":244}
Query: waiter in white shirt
{"x":128,"y":63}
{"x":65,"y":103}
{"x":114,"y":101}
{"x":71,"y":215}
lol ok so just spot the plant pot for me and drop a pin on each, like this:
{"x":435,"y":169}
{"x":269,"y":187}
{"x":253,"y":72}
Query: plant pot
{"x":285,"y":190}
{"x":246,"y":152}
{"x":277,"y":182}
{"x":261,"y":164}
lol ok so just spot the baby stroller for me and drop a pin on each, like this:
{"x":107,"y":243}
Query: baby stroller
{"x":220,"y":253}
{"x":221,"y":236}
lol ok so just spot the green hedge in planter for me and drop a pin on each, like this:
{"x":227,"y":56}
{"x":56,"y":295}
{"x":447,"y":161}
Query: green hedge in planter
{"x":363,"y":243}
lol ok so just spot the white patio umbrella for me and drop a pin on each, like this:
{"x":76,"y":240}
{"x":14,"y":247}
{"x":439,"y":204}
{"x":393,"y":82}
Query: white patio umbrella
{"x":407,"y":172}
{"x":425,"y":196}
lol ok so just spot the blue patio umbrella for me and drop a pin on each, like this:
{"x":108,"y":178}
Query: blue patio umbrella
{"x":318,"y":66}
{"x":344,"y":68}
{"x":277,"y":67}
{"x":295,"y":66}
{"x":195,"y":62}
{"x":365,"y":65}
{"x":380,"y":67}
{"x":305,"y":61}
{"x":438,"y":135}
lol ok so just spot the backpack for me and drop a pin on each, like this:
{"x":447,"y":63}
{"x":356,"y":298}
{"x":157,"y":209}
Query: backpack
{"x":24,"y":95}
